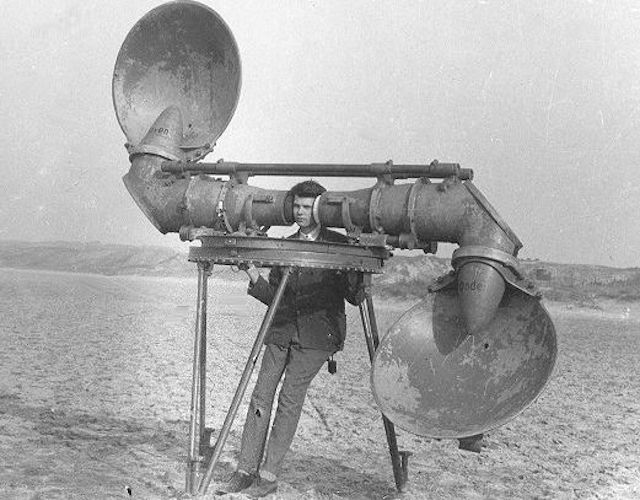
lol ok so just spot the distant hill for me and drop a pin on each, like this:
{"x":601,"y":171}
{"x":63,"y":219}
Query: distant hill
{"x":580,"y":284}
{"x":584,"y":284}
{"x":405,"y":276}
{"x":98,"y":258}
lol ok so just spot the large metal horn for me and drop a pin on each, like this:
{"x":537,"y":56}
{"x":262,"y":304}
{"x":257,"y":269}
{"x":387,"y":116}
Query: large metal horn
{"x":433,"y":378}
{"x":178,"y":54}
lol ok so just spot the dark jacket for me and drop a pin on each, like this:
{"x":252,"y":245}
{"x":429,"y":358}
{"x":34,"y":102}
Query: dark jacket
{"x":311,"y":311}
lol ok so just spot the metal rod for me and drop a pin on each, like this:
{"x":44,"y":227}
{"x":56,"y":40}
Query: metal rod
{"x":432,"y":170}
{"x":372,"y":319}
{"x":203,"y":373}
{"x":193,"y":457}
{"x":244,"y":381}
{"x":399,"y":460}
{"x":364,"y":315}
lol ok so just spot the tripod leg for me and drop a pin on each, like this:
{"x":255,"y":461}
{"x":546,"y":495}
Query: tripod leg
{"x":399,"y":460}
{"x":244,"y":381}
{"x":193,"y":457}
{"x":203,"y":384}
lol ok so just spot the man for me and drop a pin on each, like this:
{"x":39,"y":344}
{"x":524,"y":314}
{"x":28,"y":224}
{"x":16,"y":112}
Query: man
{"x":308,"y":327}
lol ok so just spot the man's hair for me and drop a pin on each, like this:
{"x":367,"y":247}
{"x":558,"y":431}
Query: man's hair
{"x":307,"y":189}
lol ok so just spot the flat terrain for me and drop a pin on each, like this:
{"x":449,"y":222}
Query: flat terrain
{"x":95,"y":389}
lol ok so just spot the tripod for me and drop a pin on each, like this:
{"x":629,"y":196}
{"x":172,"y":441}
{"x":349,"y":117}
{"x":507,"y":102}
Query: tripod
{"x":196,"y":483}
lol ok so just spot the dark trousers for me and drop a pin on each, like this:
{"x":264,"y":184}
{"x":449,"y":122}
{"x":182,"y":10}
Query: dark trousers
{"x":299,"y":366}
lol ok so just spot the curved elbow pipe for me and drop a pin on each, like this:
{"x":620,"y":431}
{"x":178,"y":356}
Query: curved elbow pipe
{"x":486,"y":244}
{"x":451,"y":211}
{"x":171,"y":202}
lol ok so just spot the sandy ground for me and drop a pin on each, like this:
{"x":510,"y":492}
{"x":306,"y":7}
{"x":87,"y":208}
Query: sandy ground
{"x":95,"y":389}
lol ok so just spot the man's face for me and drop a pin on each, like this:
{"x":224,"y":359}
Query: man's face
{"x":302,"y":211}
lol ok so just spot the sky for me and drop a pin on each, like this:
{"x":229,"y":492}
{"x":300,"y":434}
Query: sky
{"x":541,"y":99}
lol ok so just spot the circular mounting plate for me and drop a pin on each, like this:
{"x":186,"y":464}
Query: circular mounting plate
{"x":182,"y":54}
{"x":433,"y":379}
{"x":271,"y":252}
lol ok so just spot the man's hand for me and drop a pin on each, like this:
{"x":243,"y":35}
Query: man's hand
{"x":355,"y":287}
{"x":251,"y":270}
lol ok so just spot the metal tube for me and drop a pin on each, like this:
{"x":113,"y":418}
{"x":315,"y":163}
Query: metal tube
{"x":432,"y":170}
{"x":398,"y":459}
{"x":449,"y":211}
{"x":193,"y":458}
{"x":244,"y":381}
{"x":372,"y":319}
{"x":203,"y":369}
{"x":452,"y":210}
{"x":367,"y":334}
{"x":366,"y":318}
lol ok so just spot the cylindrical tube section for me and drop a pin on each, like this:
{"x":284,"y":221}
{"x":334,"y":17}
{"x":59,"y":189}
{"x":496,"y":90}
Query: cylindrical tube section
{"x":445,"y":211}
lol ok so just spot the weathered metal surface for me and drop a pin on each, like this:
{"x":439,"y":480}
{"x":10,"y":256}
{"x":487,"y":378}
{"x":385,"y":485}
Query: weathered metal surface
{"x":271,"y":252}
{"x":431,"y":378}
{"x":480,"y":291}
{"x":178,"y":54}
{"x":480,"y":198}
{"x":462,"y":254}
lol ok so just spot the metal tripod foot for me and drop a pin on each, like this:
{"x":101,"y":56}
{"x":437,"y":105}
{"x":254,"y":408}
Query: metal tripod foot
{"x":404,"y":455}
